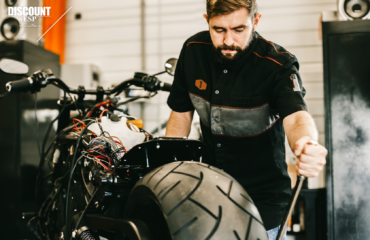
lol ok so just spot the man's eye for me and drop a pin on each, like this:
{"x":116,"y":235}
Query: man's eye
{"x":239,"y":29}
{"x":219,"y":30}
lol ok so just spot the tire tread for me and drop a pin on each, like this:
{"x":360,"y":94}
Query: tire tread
{"x":169,"y":190}
{"x":243,"y":209}
{"x":185,"y":226}
{"x":189,"y":176}
{"x":188,"y":196}
{"x":167,"y":175}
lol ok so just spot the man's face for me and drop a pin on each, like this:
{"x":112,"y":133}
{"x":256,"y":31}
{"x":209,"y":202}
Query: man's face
{"x":231,"y":34}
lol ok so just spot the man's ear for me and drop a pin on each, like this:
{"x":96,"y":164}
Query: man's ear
{"x":257,"y":20}
{"x":206,"y":17}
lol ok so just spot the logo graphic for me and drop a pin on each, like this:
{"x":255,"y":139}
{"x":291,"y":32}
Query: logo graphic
{"x":29,"y":14}
{"x":294,"y":78}
{"x":202,"y":85}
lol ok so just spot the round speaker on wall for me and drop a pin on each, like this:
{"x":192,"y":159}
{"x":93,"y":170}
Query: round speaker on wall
{"x":354,"y":9}
{"x":10,"y":3}
{"x":10,"y":28}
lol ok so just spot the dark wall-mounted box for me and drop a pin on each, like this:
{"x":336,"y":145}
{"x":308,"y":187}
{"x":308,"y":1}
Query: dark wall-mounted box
{"x":18,"y":136}
{"x":346,"y":46}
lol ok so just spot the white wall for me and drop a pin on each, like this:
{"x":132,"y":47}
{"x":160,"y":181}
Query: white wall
{"x":108,"y":35}
{"x":168,"y":24}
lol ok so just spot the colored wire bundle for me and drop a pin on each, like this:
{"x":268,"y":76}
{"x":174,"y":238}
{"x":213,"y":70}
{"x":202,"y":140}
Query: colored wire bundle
{"x":105,"y":150}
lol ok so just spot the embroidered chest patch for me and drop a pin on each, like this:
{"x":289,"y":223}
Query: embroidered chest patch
{"x":202,"y":85}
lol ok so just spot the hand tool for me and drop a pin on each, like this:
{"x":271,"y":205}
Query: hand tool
{"x":293,"y":200}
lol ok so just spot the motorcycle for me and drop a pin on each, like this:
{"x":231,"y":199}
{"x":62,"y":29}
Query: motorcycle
{"x":111,"y":179}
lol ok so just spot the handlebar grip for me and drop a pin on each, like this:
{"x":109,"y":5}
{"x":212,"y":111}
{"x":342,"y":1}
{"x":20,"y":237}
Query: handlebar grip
{"x":19,"y":85}
{"x":166,"y":87}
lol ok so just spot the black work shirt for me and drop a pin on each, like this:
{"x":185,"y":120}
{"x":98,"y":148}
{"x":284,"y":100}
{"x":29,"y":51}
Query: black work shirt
{"x":241,"y":107}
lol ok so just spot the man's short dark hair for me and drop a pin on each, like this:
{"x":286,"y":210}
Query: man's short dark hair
{"x":225,"y":7}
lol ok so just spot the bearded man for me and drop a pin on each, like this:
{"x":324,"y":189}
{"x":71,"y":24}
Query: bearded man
{"x":248,"y":94}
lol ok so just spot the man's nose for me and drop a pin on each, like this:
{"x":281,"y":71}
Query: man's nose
{"x":228,"y":40}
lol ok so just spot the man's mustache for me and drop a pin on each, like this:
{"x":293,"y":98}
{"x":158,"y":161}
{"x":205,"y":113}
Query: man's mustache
{"x":232,"y":48}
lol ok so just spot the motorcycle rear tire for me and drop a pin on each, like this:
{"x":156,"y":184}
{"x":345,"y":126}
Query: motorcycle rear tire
{"x":192,"y":200}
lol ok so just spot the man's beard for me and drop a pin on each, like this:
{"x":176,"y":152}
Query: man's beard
{"x":229,"y":58}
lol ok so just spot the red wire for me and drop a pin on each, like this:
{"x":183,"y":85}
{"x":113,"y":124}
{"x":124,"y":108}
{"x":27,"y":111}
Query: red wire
{"x":89,"y":114}
{"x":102,"y":157}
{"x":83,"y":125}
{"x":98,"y":156}
{"x":102,"y":164}
{"x":101,"y":115}
{"x":75,"y":126}
{"x":124,"y":149}
{"x":99,"y":105}
{"x":117,"y":139}
{"x":75,"y":119}
{"x":103,"y":103}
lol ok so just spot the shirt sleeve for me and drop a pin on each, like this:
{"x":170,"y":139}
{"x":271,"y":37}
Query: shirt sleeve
{"x":179,"y":99}
{"x":288,"y":91}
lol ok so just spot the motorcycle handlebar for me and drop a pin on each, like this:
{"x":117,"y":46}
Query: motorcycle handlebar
{"x":166,"y":86}
{"x":27,"y":83}
{"x":19,"y":85}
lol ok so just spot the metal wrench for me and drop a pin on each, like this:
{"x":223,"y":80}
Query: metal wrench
{"x":292,"y":202}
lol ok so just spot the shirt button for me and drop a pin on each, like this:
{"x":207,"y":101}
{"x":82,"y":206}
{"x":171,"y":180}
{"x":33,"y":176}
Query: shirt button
{"x":218,"y":144}
{"x":217,"y":92}
{"x":225,"y":71}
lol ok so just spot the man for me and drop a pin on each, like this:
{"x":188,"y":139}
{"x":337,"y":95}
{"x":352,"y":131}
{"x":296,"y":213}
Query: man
{"x":248,"y":93}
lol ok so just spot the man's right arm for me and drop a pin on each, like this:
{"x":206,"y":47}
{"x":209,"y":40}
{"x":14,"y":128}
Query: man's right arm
{"x":179,"y":124}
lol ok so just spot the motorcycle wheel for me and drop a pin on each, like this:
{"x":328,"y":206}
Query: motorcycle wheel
{"x":192,"y":200}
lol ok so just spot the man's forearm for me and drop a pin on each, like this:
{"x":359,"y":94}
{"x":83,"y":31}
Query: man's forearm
{"x":179,"y":124}
{"x":299,"y":125}
{"x":300,"y":129}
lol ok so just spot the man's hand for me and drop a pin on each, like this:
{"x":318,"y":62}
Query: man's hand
{"x":311,"y":158}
